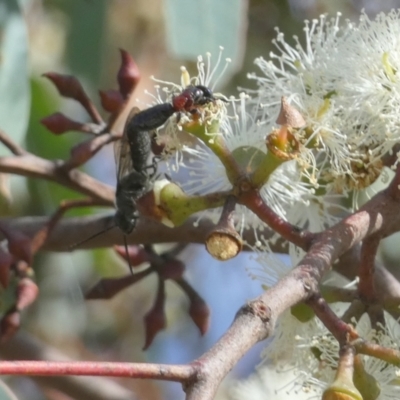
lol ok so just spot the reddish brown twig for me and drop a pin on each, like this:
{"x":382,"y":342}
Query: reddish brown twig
{"x":339,"y":329}
{"x":176,"y":373}
{"x":391,"y":356}
{"x":253,"y":201}
{"x":11,"y":145}
{"x":366,"y":285}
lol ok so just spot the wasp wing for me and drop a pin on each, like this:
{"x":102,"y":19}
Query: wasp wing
{"x":122,"y":152}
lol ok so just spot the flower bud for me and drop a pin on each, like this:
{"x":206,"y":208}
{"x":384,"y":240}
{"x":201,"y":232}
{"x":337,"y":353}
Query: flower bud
{"x":6,"y":260}
{"x":150,"y":205}
{"x":79,"y":154}
{"x":289,"y":116}
{"x":111,"y":100}
{"x":172,"y":206}
{"x":19,"y":245}
{"x":67,"y":85}
{"x":302,"y":312}
{"x":128,"y":75}
{"x":366,"y":383}
{"x":199,"y":313}
{"x":282,"y":143}
{"x":155,"y":320}
{"x":109,"y":287}
{"x":343,"y":387}
{"x":334,"y":393}
{"x":9,"y":324}
{"x":58,"y":123}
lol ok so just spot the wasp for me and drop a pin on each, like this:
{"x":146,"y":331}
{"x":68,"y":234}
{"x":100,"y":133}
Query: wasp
{"x":156,"y":116}
{"x":133,"y":177}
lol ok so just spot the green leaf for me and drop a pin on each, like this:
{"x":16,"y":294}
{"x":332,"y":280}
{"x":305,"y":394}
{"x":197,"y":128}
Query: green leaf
{"x":196,"y":27}
{"x":14,"y":72}
{"x":87,"y":31}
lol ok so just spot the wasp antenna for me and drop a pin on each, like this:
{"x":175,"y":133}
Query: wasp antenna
{"x":127,"y":255}
{"x":75,"y":245}
{"x":221,"y":97}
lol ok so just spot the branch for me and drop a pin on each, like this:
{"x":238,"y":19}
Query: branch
{"x":35,"y":167}
{"x":23,"y":346}
{"x":164,"y":372}
{"x":11,"y":145}
{"x":70,"y":231}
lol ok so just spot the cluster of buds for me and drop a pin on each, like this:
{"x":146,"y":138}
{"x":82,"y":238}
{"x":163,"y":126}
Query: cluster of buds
{"x":167,"y":267}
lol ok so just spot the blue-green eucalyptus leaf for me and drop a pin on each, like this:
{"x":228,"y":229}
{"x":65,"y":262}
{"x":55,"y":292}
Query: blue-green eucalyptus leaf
{"x":195,"y":27}
{"x":14,"y":72}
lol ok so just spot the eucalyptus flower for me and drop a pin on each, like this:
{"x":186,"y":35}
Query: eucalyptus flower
{"x":301,"y":360}
{"x":344,"y":81}
{"x":208,"y":75}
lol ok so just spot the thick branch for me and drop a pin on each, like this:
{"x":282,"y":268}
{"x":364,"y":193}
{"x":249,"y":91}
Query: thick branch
{"x":70,"y":231}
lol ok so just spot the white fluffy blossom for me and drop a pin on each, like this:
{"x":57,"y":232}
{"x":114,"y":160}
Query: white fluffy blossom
{"x":301,"y":360}
{"x":208,"y":75}
{"x":244,"y":136}
{"x":345,"y":82}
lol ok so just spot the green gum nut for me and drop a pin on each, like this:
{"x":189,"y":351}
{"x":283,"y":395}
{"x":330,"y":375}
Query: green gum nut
{"x":302,"y":312}
{"x":205,"y":131}
{"x":266,"y":166}
{"x":342,"y":389}
{"x":208,"y":133}
{"x":367,"y":385}
{"x":177,"y":206}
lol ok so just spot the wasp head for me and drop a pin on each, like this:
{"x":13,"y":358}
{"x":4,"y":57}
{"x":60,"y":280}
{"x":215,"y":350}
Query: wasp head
{"x":192,"y":97}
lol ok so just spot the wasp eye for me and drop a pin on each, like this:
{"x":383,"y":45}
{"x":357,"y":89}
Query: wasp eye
{"x":207,"y":93}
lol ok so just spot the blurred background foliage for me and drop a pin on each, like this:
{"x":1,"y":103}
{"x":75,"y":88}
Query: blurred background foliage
{"x":82,"y":37}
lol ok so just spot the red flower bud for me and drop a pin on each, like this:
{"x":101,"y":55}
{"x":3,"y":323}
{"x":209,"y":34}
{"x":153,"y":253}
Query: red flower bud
{"x":58,"y":123}
{"x":9,"y":324}
{"x":128,"y":75}
{"x":19,"y":245}
{"x":154,"y":320}
{"x":109,"y":287}
{"x":200,"y":313}
{"x":111,"y":100}
{"x":80,"y":153}
{"x":6,"y":260}
{"x":67,"y":85}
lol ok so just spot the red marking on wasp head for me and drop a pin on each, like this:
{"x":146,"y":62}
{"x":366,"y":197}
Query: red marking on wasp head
{"x":184,"y":101}
{"x":192,"y":97}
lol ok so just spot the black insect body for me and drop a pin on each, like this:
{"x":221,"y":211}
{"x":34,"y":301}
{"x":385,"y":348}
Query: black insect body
{"x":130,"y":188}
{"x":156,"y":116}
{"x":133,"y":177}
